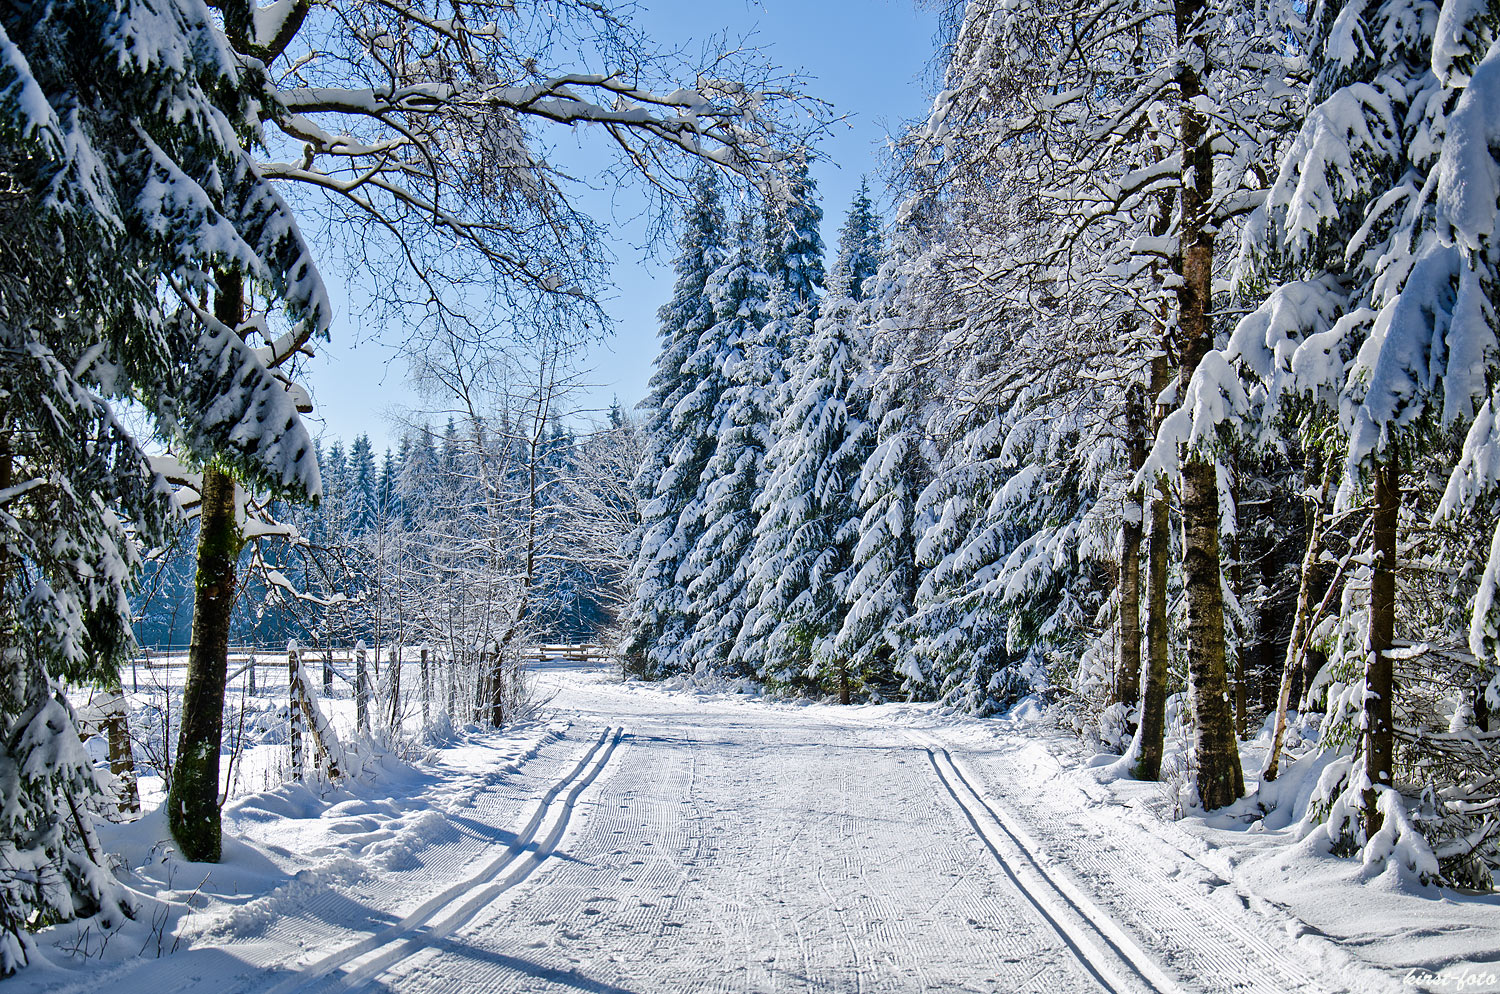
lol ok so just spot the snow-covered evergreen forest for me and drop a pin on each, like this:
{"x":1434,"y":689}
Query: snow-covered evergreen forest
{"x":1165,"y":395}
{"x":1142,"y":409}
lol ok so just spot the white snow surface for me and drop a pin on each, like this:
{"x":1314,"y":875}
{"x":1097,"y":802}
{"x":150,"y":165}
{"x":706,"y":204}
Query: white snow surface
{"x":658,"y":839}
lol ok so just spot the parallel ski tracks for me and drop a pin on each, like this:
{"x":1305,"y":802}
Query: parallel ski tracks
{"x":460,"y":903}
{"x":1104,"y":950}
{"x":1240,"y":960}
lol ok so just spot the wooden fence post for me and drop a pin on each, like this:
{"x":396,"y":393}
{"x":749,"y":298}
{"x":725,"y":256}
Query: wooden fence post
{"x":327,"y":669}
{"x":426,"y":689}
{"x":361,"y":689}
{"x":250,"y":673}
{"x":295,"y":715}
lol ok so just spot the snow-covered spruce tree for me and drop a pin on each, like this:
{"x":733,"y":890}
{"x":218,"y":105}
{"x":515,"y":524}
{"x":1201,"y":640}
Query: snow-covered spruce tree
{"x":1020,"y":303}
{"x":743,"y":353}
{"x":124,"y":185}
{"x":792,"y":240}
{"x":960,"y":645}
{"x":809,"y":520}
{"x":860,"y":251}
{"x":657,"y":613}
{"x":883,"y":578}
{"x":1002,"y":592}
{"x":1376,"y":237}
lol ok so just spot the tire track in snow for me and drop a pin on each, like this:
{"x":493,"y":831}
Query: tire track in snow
{"x":462,"y":901}
{"x":1104,"y":950}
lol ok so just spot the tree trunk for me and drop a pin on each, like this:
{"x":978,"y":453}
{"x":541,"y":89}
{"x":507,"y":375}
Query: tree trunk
{"x":1236,"y":580}
{"x":426,"y":690}
{"x":1379,"y":737}
{"x":523,"y":608}
{"x":496,"y":682}
{"x":193,"y":802}
{"x":1153,"y":729}
{"x":1220,"y":779}
{"x":1127,"y":689}
{"x":121,"y":757}
{"x":395,"y":704}
{"x":294,"y":712}
{"x":1300,"y":623}
{"x":361,"y":689}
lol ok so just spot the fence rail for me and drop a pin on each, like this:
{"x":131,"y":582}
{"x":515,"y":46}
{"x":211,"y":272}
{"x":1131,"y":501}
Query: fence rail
{"x":264,"y":667}
{"x":586,"y":653}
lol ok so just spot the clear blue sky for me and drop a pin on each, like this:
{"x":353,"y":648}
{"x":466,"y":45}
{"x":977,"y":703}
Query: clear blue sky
{"x":868,"y":58}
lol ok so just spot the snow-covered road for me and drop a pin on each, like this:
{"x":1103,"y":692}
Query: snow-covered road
{"x":742,"y":848}
{"x":692,"y":842}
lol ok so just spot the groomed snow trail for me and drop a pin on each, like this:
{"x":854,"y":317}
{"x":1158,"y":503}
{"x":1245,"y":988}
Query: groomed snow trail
{"x":671,"y":841}
{"x":740,"y":846}
{"x":735,"y":848}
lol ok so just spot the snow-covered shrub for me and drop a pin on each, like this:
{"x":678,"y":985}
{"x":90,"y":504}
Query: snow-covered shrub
{"x":51,"y":866}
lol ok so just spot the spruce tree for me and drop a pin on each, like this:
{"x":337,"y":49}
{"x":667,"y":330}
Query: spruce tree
{"x":809,"y":521}
{"x":859,"y":245}
{"x":793,"y":242}
{"x":676,"y":447}
{"x":747,"y":358}
{"x":884,"y":575}
{"x":364,"y":486}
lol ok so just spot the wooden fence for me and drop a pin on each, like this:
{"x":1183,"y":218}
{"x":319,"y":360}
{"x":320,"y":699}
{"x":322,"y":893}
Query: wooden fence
{"x":263,"y":668}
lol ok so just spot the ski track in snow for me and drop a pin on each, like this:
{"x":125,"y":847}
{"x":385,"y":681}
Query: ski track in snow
{"x":682,"y":842}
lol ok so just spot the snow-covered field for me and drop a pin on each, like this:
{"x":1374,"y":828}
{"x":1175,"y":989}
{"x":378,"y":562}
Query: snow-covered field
{"x":656,"y":838}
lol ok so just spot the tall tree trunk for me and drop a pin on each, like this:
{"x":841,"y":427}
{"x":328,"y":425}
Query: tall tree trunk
{"x":1300,"y":623}
{"x":1220,"y":779}
{"x":523,"y":608}
{"x":1379,"y":737}
{"x":1127,"y":689}
{"x":193,"y":802}
{"x":1153,"y":728}
{"x":1236,"y":579}
{"x":394,"y":714}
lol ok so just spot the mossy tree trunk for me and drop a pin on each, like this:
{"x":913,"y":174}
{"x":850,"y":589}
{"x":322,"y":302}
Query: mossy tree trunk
{"x":193,"y":802}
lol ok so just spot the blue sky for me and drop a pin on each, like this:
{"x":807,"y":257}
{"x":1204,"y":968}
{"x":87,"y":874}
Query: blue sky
{"x":868,"y":58}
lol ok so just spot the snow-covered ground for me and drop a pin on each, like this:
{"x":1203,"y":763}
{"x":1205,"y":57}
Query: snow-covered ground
{"x":655,"y":839}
